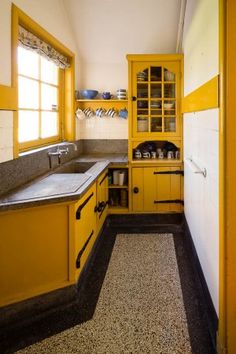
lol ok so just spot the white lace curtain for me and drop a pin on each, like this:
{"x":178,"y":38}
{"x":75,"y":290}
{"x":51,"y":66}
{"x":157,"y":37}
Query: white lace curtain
{"x":30,"y":41}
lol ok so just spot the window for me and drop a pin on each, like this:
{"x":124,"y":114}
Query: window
{"x":38,"y":99}
{"x":45,"y":88}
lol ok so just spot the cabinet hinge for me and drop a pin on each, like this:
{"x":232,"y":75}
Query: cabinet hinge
{"x":173,"y":201}
{"x":177,"y":172}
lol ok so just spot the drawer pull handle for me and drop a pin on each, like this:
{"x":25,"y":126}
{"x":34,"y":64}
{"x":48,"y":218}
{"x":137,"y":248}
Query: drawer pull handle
{"x":135,"y":190}
{"x":106,"y":175}
{"x":82,"y":250}
{"x":78,"y":212}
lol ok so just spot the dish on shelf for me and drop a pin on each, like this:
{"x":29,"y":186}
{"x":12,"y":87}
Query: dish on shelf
{"x":169,"y":105}
{"x":142,"y":125}
{"x":169,"y":76}
{"x":88,"y":94}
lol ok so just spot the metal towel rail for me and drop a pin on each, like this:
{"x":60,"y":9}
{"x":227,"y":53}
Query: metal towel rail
{"x":194,"y":167}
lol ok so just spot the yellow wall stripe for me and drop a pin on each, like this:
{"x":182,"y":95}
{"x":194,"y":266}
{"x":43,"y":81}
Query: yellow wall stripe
{"x":8,"y":98}
{"x":204,"y":97}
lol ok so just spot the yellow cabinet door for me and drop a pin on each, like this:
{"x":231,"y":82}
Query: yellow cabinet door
{"x":156,"y":189}
{"x":156,"y":92}
{"x":34,"y":252}
{"x":102,"y":200}
{"x":137,"y":189}
{"x":84,"y":219}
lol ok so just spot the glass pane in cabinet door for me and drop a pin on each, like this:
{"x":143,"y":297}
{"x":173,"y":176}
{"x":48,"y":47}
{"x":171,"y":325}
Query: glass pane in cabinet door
{"x":156,"y":108}
{"x":142,"y":106}
{"x":142,"y":91}
{"x":170,"y":124}
{"x":169,"y":108}
{"x":156,"y":91}
{"x":169,"y":90}
{"x":169,"y":75}
{"x":156,"y":125}
{"x":142,"y":124}
{"x":142,"y":75}
{"x":155,"y":73}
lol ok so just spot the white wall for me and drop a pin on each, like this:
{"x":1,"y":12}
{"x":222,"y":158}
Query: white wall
{"x":107,"y":30}
{"x":51,"y":16}
{"x":201,"y":135}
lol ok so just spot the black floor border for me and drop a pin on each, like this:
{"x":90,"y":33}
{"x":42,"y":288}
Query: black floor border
{"x":208,"y":308}
{"x":79,"y":307}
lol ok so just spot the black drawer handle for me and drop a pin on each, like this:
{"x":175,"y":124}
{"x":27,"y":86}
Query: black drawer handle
{"x":78,"y":212}
{"x":173,"y":201}
{"x":103,"y":179}
{"x":82,"y":250}
{"x":104,"y":204}
{"x":177,"y":172}
{"x":135,"y":190}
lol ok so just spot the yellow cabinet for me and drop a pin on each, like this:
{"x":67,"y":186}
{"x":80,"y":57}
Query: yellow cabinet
{"x":155,"y":92}
{"x":83,"y":226}
{"x":157,"y":189}
{"x":102,"y":200}
{"x":35,"y":249}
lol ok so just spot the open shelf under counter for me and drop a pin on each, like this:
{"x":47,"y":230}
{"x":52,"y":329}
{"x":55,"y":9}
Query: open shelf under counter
{"x":116,"y":186}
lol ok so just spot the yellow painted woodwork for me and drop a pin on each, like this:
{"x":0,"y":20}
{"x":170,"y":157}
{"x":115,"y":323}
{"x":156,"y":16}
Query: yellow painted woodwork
{"x":137,"y":182}
{"x":105,"y":104}
{"x":8,"y":98}
{"x":67,"y":109}
{"x":227,"y":314}
{"x":204,"y":97}
{"x":222,"y":327}
{"x":102,"y":196}
{"x":155,"y":187}
{"x":34,"y":252}
{"x":84,"y":227}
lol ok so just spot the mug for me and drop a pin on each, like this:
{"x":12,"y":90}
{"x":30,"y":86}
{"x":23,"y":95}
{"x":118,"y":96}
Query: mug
{"x":106,"y":95}
{"x":146,"y":155}
{"x":170,"y":155}
{"x":153,"y":154}
{"x":161,"y":155}
{"x":137,"y":154}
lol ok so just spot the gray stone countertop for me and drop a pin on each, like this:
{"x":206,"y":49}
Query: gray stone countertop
{"x":56,"y":187}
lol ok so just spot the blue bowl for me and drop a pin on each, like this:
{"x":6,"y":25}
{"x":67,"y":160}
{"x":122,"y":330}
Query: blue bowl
{"x":88,"y":94}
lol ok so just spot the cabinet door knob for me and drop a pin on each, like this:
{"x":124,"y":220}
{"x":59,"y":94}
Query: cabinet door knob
{"x":133,"y":98}
{"x":135,"y":190}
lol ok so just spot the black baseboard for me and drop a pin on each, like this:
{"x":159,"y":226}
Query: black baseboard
{"x":208,"y":307}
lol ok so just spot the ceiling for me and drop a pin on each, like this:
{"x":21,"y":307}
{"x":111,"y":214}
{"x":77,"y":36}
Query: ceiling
{"x":107,"y":30}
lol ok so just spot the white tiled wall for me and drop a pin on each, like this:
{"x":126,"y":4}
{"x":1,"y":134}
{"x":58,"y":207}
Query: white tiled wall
{"x":103,"y":128}
{"x":201,"y":134}
{"x":6,"y":136}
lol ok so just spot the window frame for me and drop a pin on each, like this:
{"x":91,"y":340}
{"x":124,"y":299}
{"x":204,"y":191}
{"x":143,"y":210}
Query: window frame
{"x":66,"y":82}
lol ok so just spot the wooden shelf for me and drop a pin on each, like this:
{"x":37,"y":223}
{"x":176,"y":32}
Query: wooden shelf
{"x":101,"y":100}
{"x":116,"y":186}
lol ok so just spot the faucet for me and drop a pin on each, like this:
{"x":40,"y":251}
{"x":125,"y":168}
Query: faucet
{"x":59,"y":152}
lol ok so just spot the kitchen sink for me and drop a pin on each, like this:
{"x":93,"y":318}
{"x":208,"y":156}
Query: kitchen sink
{"x":75,"y":167}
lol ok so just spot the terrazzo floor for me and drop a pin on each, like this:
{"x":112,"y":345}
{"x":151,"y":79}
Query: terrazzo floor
{"x":140,"y":307}
{"x":139,"y":294}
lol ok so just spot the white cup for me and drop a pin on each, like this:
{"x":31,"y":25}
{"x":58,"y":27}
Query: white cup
{"x":116,"y":176}
{"x":121,"y":178}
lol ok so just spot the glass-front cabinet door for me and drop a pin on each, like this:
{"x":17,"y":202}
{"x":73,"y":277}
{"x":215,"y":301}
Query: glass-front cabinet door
{"x":155,"y":107}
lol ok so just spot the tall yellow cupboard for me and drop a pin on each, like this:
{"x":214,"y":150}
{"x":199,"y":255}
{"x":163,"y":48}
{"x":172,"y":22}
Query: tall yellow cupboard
{"x":155,"y":132}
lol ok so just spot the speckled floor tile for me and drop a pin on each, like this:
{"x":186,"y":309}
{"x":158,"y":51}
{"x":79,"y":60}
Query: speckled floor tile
{"x":140,"y":307}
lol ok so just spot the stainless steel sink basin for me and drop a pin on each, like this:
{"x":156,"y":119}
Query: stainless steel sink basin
{"x":75,"y":167}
